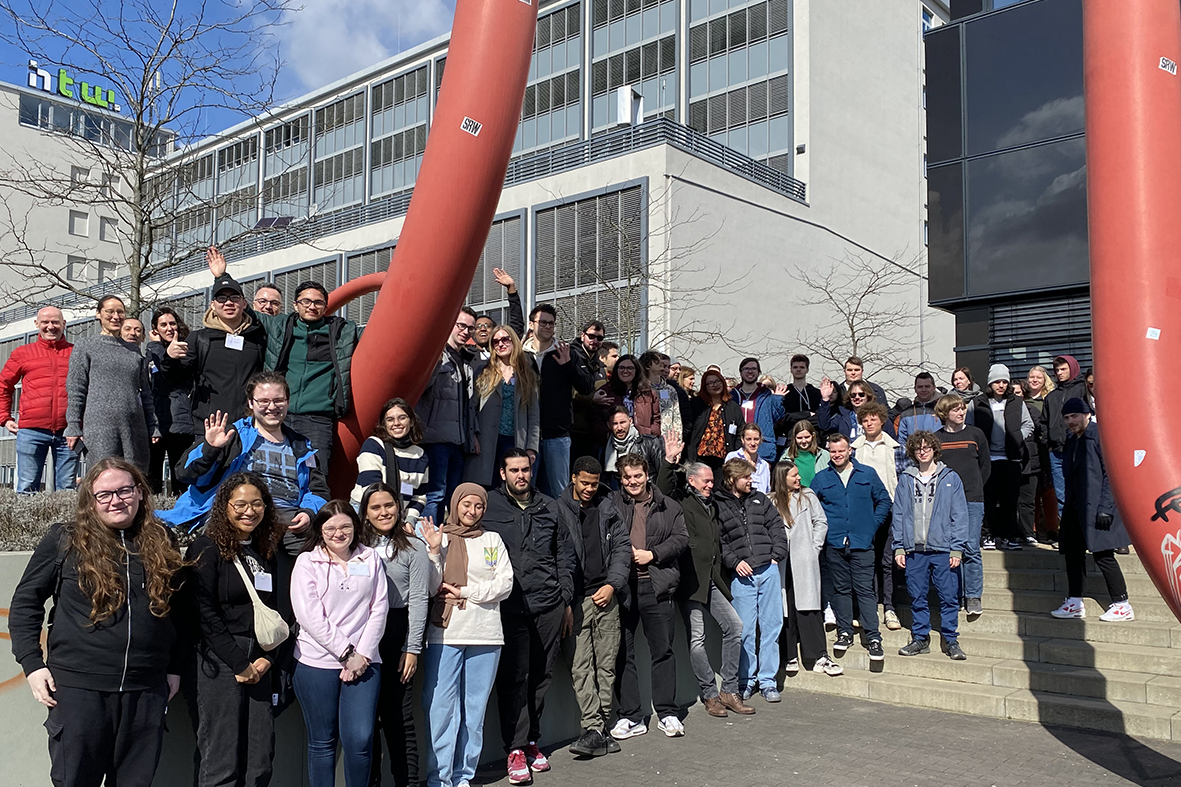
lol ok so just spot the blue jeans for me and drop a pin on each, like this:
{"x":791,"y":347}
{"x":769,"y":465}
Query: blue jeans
{"x":921,"y":569}
{"x":32,"y":446}
{"x":758,"y":600}
{"x":456,"y":684}
{"x":444,"y":474}
{"x":337,"y":711}
{"x":1059,"y":479}
{"x":972,"y":569}
{"x":555,"y":466}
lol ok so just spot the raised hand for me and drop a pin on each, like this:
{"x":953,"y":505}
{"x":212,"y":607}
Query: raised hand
{"x":177,"y":349}
{"x":673,"y":447}
{"x":216,"y":432}
{"x":827,"y":389}
{"x":504,"y":280}
{"x":216,"y":261}
{"x":781,"y":389}
{"x":431,"y":534}
{"x":562,"y":354}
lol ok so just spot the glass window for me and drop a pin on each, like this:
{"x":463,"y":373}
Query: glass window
{"x":573,"y":121}
{"x":738,"y":139}
{"x":717,"y":6}
{"x":698,"y":79}
{"x":717,"y":73}
{"x":600,"y":41}
{"x":738,"y":66}
{"x":651,"y":22}
{"x":635,"y":32}
{"x":573,"y":52}
{"x":668,"y":17}
{"x":543,"y":129}
{"x":1027,"y":219}
{"x":1024,"y":75}
{"x":758,"y":139}
{"x":780,"y":53}
{"x":780,"y":132}
{"x":530,"y":135}
{"x":558,"y":53}
{"x":618,"y":35}
{"x":758,"y":59}
{"x":945,"y":221}
{"x":698,"y":10}
{"x":944,"y":112}
{"x":559,"y":124}
{"x":599,"y":111}
{"x":543,"y":63}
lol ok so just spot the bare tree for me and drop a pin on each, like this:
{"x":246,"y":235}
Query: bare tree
{"x":170,"y":65}
{"x":863,"y":306}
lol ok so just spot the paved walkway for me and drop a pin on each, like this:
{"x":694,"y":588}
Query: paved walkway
{"x":813,"y":739}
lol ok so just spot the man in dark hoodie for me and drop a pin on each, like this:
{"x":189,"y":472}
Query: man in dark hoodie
{"x":603,"y":558}
{"x":1071,"y":385}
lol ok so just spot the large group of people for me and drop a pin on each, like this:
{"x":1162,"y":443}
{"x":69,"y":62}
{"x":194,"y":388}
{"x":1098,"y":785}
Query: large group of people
{"x":538,"y":490}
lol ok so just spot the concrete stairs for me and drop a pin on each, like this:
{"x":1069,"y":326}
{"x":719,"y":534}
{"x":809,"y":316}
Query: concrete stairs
{"x":1024,"y":664}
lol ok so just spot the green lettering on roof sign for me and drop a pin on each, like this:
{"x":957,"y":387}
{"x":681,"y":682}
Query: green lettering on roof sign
{"x":40,"y":79}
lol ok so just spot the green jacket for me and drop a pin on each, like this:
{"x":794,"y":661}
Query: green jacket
{"x":343,"y":336}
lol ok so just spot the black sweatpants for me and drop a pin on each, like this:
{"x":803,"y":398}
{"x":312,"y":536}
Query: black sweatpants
{"x":658,"y":617}
{"x":525,"y":671}
{"x":888,"y":579}
{"x":1000,"y":499}
{"x":803,"y":631}
{"x":114,"y":735}
{"x":1073,"y":546}
{"x":172,"y":447}
{"x":236,"y":728}
{"x":1027,"y":506}
{"x":395,"y":708}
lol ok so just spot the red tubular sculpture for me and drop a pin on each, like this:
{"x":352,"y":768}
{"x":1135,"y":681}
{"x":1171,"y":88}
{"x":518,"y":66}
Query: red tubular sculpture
{"x":455,"y":197}
{"x":1133,"y":123}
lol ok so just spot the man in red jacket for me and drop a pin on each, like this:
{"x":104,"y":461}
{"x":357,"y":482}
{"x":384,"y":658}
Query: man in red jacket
{"x":42,"y":366}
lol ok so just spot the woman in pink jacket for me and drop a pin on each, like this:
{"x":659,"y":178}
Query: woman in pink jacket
{"x":340,"y":598}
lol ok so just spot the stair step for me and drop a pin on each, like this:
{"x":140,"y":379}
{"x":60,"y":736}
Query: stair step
{"x":1139,"y":585}
{"x":1076,"y":681}
{"x":1127,"y":718}
{"x":1148,"y":608}
{"x":1104,"y":655}
{"x":1046,"y":558}
{"x":929,"y":665}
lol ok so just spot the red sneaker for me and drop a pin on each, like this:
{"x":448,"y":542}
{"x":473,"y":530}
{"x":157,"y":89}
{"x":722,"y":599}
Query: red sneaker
{"x":518,"y":769}
{"x":536,"y":759}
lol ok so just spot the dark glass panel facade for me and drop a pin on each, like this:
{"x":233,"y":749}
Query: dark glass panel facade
{"x":945,"y":232}
{"x":1024,"y":75}
{"x":1027,"y":219}
{"x":944,"y":101}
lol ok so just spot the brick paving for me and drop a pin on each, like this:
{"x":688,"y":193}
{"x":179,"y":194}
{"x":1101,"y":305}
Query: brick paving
{"x":814,"y":739}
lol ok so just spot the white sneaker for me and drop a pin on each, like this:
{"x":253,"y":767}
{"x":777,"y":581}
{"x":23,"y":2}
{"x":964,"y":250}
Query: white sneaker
{"x":625,"y":728}
{"x":792,"y":667}
{"x":671,"y":726}
{"x":828,"y":667}
{"x":1071,"y":608}
{"x":830,"y":618}
{"x":1118,"y":612}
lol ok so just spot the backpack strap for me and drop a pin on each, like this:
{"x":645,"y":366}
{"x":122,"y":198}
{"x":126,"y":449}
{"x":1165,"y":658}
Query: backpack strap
{"x":63,"y":551}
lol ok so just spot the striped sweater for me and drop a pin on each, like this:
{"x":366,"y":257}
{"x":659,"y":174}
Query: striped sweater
{"x":412,"y":474}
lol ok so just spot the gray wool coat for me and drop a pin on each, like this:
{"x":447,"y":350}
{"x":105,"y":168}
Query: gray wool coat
{"x":805,"y":539}
{"x":478,"y":468}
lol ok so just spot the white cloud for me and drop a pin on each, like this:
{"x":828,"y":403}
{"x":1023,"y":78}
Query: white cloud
{"x":326,"y":40}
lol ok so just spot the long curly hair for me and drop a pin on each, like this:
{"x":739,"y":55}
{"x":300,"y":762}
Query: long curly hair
{"x":222,"y":532}
{"x":101,"y":553}
{"x":526,"y":378}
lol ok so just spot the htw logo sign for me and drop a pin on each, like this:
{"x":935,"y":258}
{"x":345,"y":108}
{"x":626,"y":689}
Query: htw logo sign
{"x":40,"y":79}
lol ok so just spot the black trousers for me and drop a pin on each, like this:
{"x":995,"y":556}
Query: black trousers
{"x":173,"y":448}
{"x":658,"y":617}
{"x":1073,"y":545}
{"x":525,"y":671}
{"x":803,"y":632}
{"x":395,"y":708}
{"x":889,"y":580}
{"x":1000,"y":499}
{"x":236,"y":728}
{"x":1026,"y":506}
{"x":320,"y":430}
{"x":852,"y":576}
{"x":97,"y":735}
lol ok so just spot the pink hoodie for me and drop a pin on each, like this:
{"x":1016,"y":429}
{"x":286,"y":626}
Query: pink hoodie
{"x":335,"y":609}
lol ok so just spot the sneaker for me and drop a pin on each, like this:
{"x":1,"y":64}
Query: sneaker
{"x":843,"y":643}
{"x":828,"y":667}
{"x":734,"y":703}
{"x":830,"y":618}
{"x":954,"y":651}
{"x":792,"y":667}
{"x":1119,"y":612}
{"x":916,"y":646}
{"x":974,"y":607}
{"x":1030,"y":541}
{"x":1123,"y":551}
{"x":592,"y":744}
{"x":988,"y":543}
{"x":626,"y":728}
{"x":771,"y":695}
{"x":1071,"y":608}
{"x":613,"y":746}
{"x":537,"y":761}
{"x":892,"y":621}
{"x":1011,"y":545}
{"x":746,"y":693}
{"x":671,"y":726}
{"x":875,"y":650}
{"x":518,"y":768}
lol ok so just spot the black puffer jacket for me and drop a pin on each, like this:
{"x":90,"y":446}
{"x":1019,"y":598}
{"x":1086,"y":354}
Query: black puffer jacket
{"x":751,"y":529}
{"x":613,"y":538}
{"x":540,"y":550}
{"x":172,"y":392}
{"x":666,"y":539}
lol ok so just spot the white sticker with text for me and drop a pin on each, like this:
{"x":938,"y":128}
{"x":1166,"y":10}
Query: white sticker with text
{"x":1168,"y":65}
{"x":471,"y":126}
{"x":1153,"y":333}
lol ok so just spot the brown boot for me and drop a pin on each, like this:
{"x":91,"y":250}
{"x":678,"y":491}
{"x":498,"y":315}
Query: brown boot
{"x":714,"y":707}
{"x":735,"y":703}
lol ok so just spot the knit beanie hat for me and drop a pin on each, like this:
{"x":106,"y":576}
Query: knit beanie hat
{"x":998,"y":371}
{"x":1075,"y":405}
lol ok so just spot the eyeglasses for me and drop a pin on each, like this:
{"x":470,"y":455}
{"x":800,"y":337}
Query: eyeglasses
{"x":502,"y":340}
{"x":595,"y":337}
{"x":463,"y":327}
{"x":332,"y":531}
{"x":107,"y":495}
{"x":546,"y":323}
{"x":924,"y":449}
{"x":242,"y":508}
{"x":857,"y":395}
{"x":227,"y":299}
{"x":265,"y":302}
{"x":266,"y":404}
{"x":308,"y":303}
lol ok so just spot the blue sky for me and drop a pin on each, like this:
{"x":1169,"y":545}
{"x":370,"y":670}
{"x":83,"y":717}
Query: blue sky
{"x":321,"y":42}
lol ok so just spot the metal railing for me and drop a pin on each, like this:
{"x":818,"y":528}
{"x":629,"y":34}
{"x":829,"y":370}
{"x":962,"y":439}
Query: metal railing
{"x":561,"y":158}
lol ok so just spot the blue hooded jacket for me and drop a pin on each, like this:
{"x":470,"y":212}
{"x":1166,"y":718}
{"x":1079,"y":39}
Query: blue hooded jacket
{"x":854,"y":512}
{"x":948,"y":530}
{"x":205,"y":468}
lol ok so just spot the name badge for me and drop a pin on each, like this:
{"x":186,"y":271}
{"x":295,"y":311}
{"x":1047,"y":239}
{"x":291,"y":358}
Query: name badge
{"x":152,"y":367}
{"x":732,"y":429}
{"x":664,"y":393}
{"x":262,"y":581}
{"x":407,"y":490}
{"x":234,"y":342}
{"x":781,"y":441}
{"x":359,"y":570}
